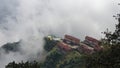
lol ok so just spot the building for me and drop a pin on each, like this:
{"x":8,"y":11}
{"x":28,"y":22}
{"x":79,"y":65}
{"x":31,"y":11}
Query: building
{"x":71,"y":40}
{"x":64,"y":46}
{"x":85,"y":49}
{"x":92,"y":42}
{"x":89,"y":46}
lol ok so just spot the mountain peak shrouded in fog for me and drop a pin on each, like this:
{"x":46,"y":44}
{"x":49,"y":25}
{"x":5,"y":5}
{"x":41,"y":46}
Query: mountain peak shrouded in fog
{"x":32,"y":20}
{"x":14,"y":47}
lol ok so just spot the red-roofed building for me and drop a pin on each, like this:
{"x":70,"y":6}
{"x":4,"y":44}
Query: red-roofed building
{"x":64,"y":46}
{"x":98,"y":48}
{"x":86,"y":49}
{"x":93,"y":43}
{"x":72,"y":39}
{"x":92,"y":40}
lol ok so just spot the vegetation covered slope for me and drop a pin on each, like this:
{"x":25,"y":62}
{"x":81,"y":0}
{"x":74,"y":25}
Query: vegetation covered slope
{"x":108,"y":58}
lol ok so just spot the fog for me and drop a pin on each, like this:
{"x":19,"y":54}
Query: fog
{"x":31,"y":20}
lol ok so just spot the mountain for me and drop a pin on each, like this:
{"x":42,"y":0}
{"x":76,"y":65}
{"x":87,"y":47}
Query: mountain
{"x":11,"y":47}
{"x":63,"y":57}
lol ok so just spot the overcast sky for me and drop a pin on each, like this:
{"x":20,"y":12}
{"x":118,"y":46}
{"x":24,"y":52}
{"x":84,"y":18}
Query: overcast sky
{"x":20,"y":19}
{"x":31,"y":20}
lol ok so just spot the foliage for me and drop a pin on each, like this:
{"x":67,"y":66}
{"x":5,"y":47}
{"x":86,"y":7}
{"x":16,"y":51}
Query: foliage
{"x":109,"y":57}
{"x":53,"y":58}
{"x":106,"y":59}
{"x":57,"y":59}
{"x":71,"y":60}
{"x":22,"y":64}
{"x":114,"y":38}
{"x":49,"y":44}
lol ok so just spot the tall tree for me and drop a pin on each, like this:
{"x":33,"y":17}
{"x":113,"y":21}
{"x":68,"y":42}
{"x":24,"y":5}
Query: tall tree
{"x":114,"y":38}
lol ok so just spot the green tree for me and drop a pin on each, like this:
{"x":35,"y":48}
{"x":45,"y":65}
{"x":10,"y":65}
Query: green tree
{"x":49,"y":44}
{"x":53,"y":58}
{"x":109,"y":57}
{"x":114,"y":38}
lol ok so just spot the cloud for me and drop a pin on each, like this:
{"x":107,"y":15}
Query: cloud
{"x":31,"y":20}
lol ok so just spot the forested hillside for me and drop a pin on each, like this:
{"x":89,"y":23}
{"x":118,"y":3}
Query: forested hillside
{"x":58,"y":57}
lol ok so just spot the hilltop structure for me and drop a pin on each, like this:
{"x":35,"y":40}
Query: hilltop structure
{"x":70,"y":43}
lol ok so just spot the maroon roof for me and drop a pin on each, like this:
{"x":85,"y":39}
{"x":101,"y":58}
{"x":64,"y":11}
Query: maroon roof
{"x":92,"y":39}
{"x":73,"y":39}
{"x":64,"y":46}
{"x":86,"y":49}
{"x":97,"y":48}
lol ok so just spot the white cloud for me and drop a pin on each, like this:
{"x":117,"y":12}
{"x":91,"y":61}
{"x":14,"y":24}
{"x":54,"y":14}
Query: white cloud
{"x":31,"y":20}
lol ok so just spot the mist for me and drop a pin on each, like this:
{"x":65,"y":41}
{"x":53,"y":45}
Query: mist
{"x":32,"y":20}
